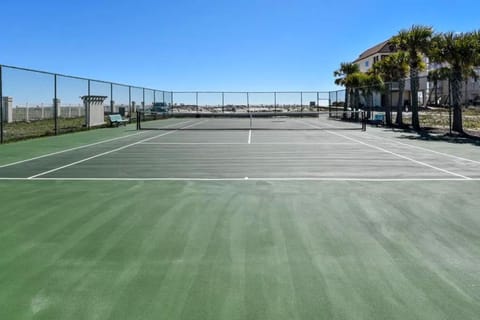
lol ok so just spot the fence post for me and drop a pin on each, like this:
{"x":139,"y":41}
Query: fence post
{"x":301,"y":102}
{"x":130,"y":109}
{"x":55,"y":104}
{"x":275,"y":103}
{"x":449,"y":107}
{"x":196,"y":101}
{"x":143,"y":102}
{"x":248,"y":103}
{"x":87,"y":112}
{"x":1,"y":105}
{"x":111,"y":98}
{"x":223,"y":102}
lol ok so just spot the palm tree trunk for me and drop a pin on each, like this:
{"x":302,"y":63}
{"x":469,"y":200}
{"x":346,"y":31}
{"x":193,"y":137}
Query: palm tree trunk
{"x":456,"y":97}
{"x":401,"y":89}
{"x":357,"y":103}
{"x":388,"y":107}
{"x":414,"y":90}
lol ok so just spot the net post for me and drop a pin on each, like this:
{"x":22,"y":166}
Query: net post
{"x":364,"y":122}
{"x":138,"y":120}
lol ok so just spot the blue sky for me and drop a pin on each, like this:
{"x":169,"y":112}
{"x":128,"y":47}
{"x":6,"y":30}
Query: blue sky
{"x":262,"y":45}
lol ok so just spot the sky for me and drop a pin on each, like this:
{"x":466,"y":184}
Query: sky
{"x":188,"y":45}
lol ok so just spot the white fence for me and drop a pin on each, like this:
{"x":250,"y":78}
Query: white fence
{"x":24,"y":113}
{"x":27,"y":113}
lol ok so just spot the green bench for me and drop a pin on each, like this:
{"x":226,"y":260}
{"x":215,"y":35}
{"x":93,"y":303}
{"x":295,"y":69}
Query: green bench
{"x":116,"y":119}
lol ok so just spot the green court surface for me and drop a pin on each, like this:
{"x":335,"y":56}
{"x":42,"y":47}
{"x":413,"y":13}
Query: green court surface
{"x":263,"y":224}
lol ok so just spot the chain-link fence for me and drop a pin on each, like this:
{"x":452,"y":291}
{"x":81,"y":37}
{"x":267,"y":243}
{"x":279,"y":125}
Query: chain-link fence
{"x":228,"y":102}
{"x":37,"y":103}
{"x":435,"y":103}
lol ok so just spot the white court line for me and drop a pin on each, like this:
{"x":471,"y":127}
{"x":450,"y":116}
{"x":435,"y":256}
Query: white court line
{"x":423,"y":148}
{"x":67,"y":150}
{"x":250,"y":136}
{"x":244,"y":179}
{"x":107,"y":152}
{"x":76,"y":148}
{"x":396,"y":154}
{"x":426,"y":149}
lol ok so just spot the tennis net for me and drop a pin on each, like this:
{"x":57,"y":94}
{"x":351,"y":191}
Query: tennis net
{"x":333,"y":120}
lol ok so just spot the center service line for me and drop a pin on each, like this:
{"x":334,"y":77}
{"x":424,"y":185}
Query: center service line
{"x":250,"y":136}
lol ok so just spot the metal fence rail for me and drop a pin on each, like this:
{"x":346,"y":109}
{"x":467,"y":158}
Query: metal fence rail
{"x":251,"y":101}
{"x":37,"y":103}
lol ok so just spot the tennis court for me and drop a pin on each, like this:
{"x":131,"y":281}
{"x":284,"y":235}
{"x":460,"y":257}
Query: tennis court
{"x":299,"y":218}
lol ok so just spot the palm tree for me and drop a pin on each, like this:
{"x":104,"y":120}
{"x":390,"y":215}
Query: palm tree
{"x":371,"y":83}
{"x":462,"y":53}
{"x":346,"y":69}
{"x":356,"y":81}
{"x":416,"y":42}
{"x":394,"y":68}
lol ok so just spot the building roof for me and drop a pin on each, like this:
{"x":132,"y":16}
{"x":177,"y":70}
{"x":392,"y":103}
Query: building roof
{"x":383,"y":47}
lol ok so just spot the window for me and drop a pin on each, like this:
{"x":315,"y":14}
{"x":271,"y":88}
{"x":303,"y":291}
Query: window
{"x":366,"y":63}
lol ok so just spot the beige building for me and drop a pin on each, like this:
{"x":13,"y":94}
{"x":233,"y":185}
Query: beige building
{"x":428,"y":93}
{"x":366,"y":60}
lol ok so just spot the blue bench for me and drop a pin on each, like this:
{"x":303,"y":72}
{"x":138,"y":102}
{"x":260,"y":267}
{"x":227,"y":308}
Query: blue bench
{"x":378,"y":119}
{"x":116,"y":119}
